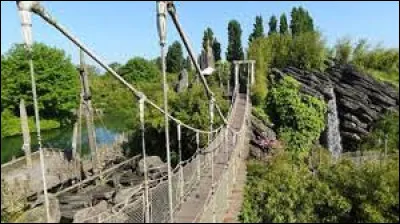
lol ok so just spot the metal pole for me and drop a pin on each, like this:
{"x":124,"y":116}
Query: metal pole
{"x":182,"y":181}
{"x":212,"y":155}
{"x":146,"y":182}
{"x":88,"y":112}
{"x":25,"y":8}
{"x":198,"y":151}
{"x":172,"y":13}
{"x":25,"y":133}
{"x":161,"y":25}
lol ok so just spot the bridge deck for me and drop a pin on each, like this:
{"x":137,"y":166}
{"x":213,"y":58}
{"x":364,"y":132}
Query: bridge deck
{"x":192,"y":208}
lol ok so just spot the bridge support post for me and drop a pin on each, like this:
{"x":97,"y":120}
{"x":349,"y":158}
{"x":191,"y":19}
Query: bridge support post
{"x":162,"y":26}
{"x":88,"y":111}
{"x":25,"y":133}
{"x":181,"y":178}
{"x":25,"y":9}
{"x":199,"y":155}
{"x":145,"y":173}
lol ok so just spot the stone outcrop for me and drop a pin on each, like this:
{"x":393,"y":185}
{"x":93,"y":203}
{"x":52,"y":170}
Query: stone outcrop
{"x":183,"y":81}
{"x":360,"y":99}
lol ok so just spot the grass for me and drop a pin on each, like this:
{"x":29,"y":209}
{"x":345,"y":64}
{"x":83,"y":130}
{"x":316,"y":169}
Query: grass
{"x":391,"y":78}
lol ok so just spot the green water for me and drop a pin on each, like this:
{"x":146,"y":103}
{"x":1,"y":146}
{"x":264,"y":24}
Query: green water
{"x":106,"y":132}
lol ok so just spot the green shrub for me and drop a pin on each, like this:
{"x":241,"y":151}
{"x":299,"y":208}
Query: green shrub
{"x":389,"y":126}
{"x":282,"y":191}
{"x":299,"y":118}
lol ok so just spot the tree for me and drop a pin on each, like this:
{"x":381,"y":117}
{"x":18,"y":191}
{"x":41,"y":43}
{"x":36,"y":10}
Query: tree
{"x":301,"y":21}
{"x":283,"y":25}
{"x":272,"y":25}
{"x":258,"y":29}
{"x":343,"y":50}
{"x":235,"y":50}
{"x":139,"y":69}
{"x":307,"y":51}
{"x":57,"y":81}
{"x":216,"y":47}
{"x":299,"y":118}
{"x":174,"y":59}
{"x":208,"y":37}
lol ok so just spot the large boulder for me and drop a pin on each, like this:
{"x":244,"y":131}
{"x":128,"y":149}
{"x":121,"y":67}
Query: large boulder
{"x":125,"y":194}
{"x":153,"y":163}
{"x":39,"y":215}
{"x":92,"y":214}
{"x":183,"y":81}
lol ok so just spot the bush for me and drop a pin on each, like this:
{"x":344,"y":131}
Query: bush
{"x":388,"y":125}
{"x":139,"y":69}
{"x":299,"y":118}
{"x":281,"y":191}
{"x":305,"y":50}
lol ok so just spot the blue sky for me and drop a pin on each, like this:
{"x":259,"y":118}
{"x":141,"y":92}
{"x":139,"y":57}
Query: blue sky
{"x":119,"y":30}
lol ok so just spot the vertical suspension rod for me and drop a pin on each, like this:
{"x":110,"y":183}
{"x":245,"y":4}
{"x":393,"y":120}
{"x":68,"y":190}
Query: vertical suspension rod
{"x":25,"y":9}
{"x":161,"y":25}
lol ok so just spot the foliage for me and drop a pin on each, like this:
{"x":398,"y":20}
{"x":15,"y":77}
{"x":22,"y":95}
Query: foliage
{"x":56,"y":80}
{"x":188,"y":64}
{"x":259,"y":51}
{"x":258,"y":29}
{"x":208,"y":37}
{"x":299,"y":118}
{"x":343,"y":50}
{"x":174,"y":58}
{"x":301,"y":21}
{"x":283,"y":24}
{"x":273,"y":25}
{"x":307,"y":51}
{"x":235,"y":49}
{"x":381,"y":63}
{"x":282,"y":191}
{"x":386,"y":127}
{"x":138,"y":70}
{"x":11,"y":124}
{"x":216,"y":47}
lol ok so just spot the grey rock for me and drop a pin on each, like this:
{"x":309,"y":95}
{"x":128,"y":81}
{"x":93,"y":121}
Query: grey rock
{"x":183,"y":81}
{"x":91,"y":214}
{"x":125,"y":194}
{"x":38,"y":214}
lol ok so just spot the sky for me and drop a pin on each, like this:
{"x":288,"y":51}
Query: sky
{"x":120,"y":30}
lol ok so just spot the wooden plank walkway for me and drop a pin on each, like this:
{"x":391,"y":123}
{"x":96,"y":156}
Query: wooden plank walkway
{"x":192,"y":208}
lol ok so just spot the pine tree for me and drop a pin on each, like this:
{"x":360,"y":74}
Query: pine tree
{"x":216,"y":47}
{"x":258,"y":30}
{"x":273,"y":24}
{"x":174,"y":58}
{"x":283,"y":25}
{"x":235,"y":50}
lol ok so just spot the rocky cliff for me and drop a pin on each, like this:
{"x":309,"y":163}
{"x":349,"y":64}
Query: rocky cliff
{"x":360,"y":99}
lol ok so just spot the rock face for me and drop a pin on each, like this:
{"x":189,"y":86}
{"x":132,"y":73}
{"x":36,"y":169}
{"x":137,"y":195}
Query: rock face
{"x":260,"y":132}
{"x":360,"y":99}
{"x":156,"y":167}
{"x":38,"y":214}
{"x":183,"y":81}
{"x":206,"y":58}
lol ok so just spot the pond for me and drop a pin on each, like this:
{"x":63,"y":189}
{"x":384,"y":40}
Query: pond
{"x":107,"y":129}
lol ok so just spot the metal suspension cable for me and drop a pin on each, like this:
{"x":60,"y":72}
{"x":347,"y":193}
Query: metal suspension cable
{"x":210,"y":94}
{"x":161,"y":25}
{"x":146,"y":184}
{"x":26,"y":23}
{"x":39,"y":10}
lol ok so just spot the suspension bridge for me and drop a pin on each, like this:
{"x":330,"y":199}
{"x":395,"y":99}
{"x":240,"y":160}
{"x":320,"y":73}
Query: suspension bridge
{"x":198,"y":189}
